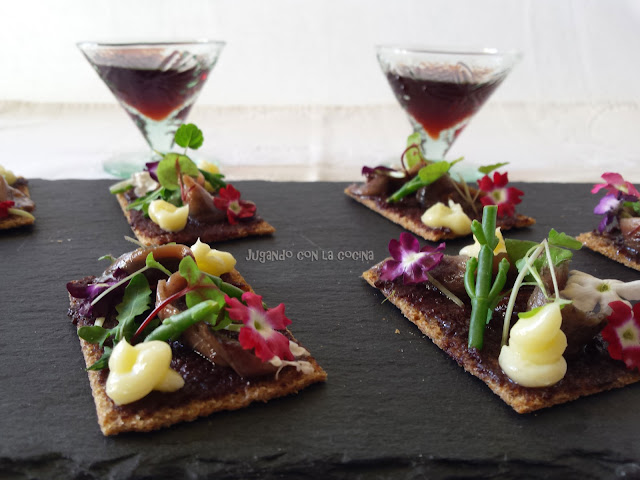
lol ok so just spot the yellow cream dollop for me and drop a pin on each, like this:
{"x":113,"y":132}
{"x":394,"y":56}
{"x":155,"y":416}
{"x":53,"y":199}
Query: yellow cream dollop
{"x":533,"y":357}
{"x":451,"y":217}
{"x":212,"y":261}
{"x":474,"y":250}
{"x":134,"y":371}
{"x":167,"y":216}
{"x":8,"y":175}
{"x":209,"y":168}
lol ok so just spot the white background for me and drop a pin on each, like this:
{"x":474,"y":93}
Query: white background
{"x":298,"y":84}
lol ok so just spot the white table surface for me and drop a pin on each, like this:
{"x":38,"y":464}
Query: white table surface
{"x":543,"y":142}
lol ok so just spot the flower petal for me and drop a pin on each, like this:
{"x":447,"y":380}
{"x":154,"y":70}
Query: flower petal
{"x":606,"y":204}
{"x":409,"y":243}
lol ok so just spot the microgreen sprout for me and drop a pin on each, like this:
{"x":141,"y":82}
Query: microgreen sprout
{"x":555,"y":248}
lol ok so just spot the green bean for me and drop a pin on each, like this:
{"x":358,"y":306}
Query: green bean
{"x":478,"y":278}
{"x":172,"y":327}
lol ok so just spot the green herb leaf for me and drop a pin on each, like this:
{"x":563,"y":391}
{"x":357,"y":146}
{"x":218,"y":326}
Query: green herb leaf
{"x":487,"y":169}
{"x":531,"y":313}
{"x":634,"y":206}
{"x":189,"y":270}
{"x":433,"y":171}
{"x":121,"y":186}
{"x":215,"y":179}
{"x":518,"y":249}
{"x":168,"y":167}
{"x":103,"y":362}
{"x":189,"y":136}
{"x":151,"y":263}
{"x":144,"y":201}
{"x":414,"y":156}
{"x":563,"y":240}
{"x":136,"y":301}
{"x":208,"y":291}
{"x":94,"y":334}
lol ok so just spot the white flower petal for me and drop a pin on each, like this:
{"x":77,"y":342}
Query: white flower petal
{"x":584,"y":298}
{"x":629,"y":290}
{"x":606,"y":298}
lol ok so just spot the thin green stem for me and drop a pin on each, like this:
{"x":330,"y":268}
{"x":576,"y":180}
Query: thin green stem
{"x":514,"y":292}
{"x":448,"y":293}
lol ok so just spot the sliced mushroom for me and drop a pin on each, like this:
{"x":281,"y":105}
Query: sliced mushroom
{"x":201,"y":206}
{"x":630,"y":228}
{"x":8,"y":193}
{"x":580,"y":327}
{"x":167,"y":255}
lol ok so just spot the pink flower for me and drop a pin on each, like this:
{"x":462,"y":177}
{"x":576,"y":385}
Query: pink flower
{"x":260,"y":330}
{"x":229,"y":200}
{"x":409,"y":260}
{"x":496,"y":193}
{"x":623,"y":333}
{"x":4,"y":208}
{"x":615,"y":183}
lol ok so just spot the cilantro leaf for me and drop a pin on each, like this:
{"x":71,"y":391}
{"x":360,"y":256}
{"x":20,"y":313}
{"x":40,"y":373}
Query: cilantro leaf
{"x":487,"y":169}
{"x":189,"y":136}
{"x":136,"y":300}
{"x":171,"y":165}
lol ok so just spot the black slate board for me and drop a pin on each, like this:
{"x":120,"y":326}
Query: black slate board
{"x":394,"y":404}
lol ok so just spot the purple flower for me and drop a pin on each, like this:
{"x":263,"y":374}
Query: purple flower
{"x":152,"y":168}
{"x":409,"y":260}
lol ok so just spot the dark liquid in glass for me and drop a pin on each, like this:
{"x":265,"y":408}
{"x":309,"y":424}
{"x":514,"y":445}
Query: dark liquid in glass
{"x":153,"y":93}
{"x":440,"y":102}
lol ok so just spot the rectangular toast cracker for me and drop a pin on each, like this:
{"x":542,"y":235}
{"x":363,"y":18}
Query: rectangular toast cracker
{"x":15,"y":221}
{"x":159,"y":410}
{"x":151,"y":234}
{"x":594,"y":373}
{"x":606,"y":246}
{"x":419,"y":228}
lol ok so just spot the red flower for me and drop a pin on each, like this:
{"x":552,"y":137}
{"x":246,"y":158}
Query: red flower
{"x":260,"y":330}
{"x":4,"y":208}
{"x":623,"y":333}
{"x":496,"y":193}
{"x":229,"y":200}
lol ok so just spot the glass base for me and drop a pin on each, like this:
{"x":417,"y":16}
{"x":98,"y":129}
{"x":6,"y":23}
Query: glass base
{"x":123,"y":165}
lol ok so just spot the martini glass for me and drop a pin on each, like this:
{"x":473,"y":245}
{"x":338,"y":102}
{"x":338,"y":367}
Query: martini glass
{"x":156,"y":84}
{"x":441,"y":90}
